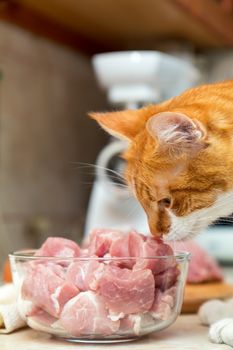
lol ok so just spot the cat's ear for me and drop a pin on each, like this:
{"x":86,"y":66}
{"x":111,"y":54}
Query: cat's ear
{"x":121,"y":124}
{"x":177,"y":132}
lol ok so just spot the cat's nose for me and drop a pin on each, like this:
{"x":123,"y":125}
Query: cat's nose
{"x":153,"y":228}
{"x":159,"y":223}
{"x":154,"y":231}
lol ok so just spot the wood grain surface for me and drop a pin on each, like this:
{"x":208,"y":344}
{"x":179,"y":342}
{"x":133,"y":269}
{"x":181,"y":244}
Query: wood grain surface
{"x":197,"y":294}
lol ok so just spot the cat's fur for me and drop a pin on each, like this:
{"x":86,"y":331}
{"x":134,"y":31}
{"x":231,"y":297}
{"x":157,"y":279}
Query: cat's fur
{"x":180,"y":164}
{"x":180,"y":158}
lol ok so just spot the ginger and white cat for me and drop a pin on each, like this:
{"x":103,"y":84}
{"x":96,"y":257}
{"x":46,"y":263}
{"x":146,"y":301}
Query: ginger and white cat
{"x":180,"y":159}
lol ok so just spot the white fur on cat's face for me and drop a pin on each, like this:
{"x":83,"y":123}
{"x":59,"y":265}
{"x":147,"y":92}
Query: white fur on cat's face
{"x":186,"y":227}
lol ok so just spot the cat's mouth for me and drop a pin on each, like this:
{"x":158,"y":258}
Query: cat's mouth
{"x":159,"y":222}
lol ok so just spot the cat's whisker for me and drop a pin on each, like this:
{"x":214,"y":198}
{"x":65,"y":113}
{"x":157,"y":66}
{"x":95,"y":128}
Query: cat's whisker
{"x":224,"y":224}
{"x":188,"y":236}
{"x":210,"y":217}
{"x":83,"y":165}
{"x":113,"y":177}
{"x":117,"y":185}
{"x":205,"y":219}
{"x":189,"y":233}
{"x":221,"y":205}
{"x":131,"y":212}
{"x":227,"y":220}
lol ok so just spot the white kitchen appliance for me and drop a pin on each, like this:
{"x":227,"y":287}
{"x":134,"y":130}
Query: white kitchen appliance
{"x":132,"y":79}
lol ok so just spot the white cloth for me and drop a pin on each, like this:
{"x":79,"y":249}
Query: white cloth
{"x":10,"y":319}
{"x":219,"y":316}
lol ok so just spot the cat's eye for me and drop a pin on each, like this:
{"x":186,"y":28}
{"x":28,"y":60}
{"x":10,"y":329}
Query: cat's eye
{"x":165,"y":202}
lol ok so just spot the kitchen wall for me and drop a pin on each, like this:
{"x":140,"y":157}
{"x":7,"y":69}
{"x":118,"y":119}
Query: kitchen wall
{"x":46,"y":92}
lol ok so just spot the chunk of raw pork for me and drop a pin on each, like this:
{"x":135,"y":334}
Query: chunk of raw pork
{"x":167,"y":279}
{"x":142,"y":248}
{"x":151,"y":248}
{"x":202,"y":266}
{"x":101,"y":240}
{"x":42,"y":321}
{"x":163,"y":304}
{"x":127,"y":291}
{"x":86,"y":314}
{"x":46,"y":289}
{"x":84,"y":274}
{"x":127,"y":246}
{"x":138,"y":323}
{"x":59,"y":247}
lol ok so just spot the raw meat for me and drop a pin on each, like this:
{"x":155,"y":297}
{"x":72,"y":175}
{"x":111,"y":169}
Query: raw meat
{"x":151,"y":248}
{"x":42,"y":321}
{"x":84,"y":274}
{"x":59,"y":247}
{"x":163,"y":304}
{"x":127,"y":291}
{"x":167,"y":279}
{"x":116,"y":284}
{"x":136,"y":245}
{"x":86,"y":314}
{"x":101,"y":240}
{"x":202,"y":267}
{"x":129,"y":245}
{"x":120,"y":248}
{"x":46,"y":289}
{"x":136,"y":322}
{"x":41,"y":316}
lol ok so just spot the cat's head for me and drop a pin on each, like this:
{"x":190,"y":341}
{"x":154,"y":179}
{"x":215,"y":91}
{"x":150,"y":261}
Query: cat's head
{"x":176,"y":167}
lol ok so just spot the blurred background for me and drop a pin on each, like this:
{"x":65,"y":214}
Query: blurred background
{"x":48,"y":85}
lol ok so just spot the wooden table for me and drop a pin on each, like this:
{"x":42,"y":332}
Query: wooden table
{"x":185,"y":334}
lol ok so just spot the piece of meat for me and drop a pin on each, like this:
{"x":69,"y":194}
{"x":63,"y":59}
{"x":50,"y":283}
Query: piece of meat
{"x":56,"y":268}
{"x":151,"y":248}
{"x":85,"y":274}
{"x":130,"y":244}
{"x":86,"y":314}
{"x":136,"y":241}
{"x":166,"y":279}
{"x":59,"y":247}
{"x":170,"y":295}
{"x":40,"y":320}
{"x":136,"y":245}
{"x":46,"y":289}
{"x":136,"y":323}
{"x":101,"y":240}
{"x":120,"y":249}
{"x":126,"y":290}
{"x":127,"y":246}
{"x":163,"y":304}
{"x":202,"y":267}
{"x":161,"y":310}
{"x":41,"y":316}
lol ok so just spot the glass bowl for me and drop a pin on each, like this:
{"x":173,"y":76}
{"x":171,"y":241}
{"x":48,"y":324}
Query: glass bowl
{"x":118,"y":299}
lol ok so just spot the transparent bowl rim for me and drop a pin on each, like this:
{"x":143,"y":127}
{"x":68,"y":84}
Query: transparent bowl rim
{"x":27,"y":254}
